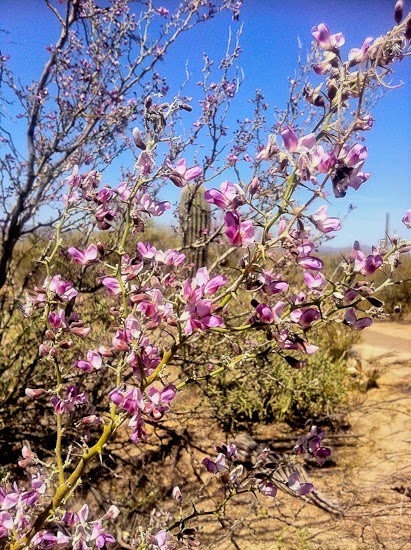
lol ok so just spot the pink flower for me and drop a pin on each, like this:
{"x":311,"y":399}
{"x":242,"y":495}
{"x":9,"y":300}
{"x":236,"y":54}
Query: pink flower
{"x":129,"y":399}
{"x":180,"y":175}
{"x":357,"y":55}
{"x":366,"y":265}
{"x":309,"y":316}
{"x":145,"y":163}
{"x":270,"y":150}
{"x":214,"y":466}
{"x":350,"y":319}
{"x":138,"y":139}
{"x":267,"y":315}
{"x":159,"y":540}
{"x":315,"y":282}
{"x":157,"y":401}
{"x":299,"y":488}
{"x":229,"y":196}
{"x":63,"y":289}
{"x":293,"y":144}
{"x":94,"y":362}
{"x":324,"y":224}
{"x":176,"y":493}
{"x":267,"y":488}
{"x":100,"y":537}
{"x":162,"y":11}
{"x":68,"y":404}
{"x":170,"y":257}
{"x":147,"y":251}
{"x":310,"y":262}
{"x":112,"y":285}
{"x":148,"y":205}
{"x":85,"y":257}
{"x":406,"y":220}
{"x":238,"y":233}
{"x":325,"y":39}
{"x":321,"y":160}
{"x":271,"y":283}
{"x":199,"y":316}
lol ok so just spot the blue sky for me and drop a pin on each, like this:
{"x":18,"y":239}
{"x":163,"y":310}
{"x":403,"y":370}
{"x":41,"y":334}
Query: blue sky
{"x":270,"y":49}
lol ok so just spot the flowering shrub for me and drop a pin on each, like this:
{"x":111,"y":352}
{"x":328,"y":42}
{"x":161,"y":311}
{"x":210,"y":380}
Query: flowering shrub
{"x":154,"y":310}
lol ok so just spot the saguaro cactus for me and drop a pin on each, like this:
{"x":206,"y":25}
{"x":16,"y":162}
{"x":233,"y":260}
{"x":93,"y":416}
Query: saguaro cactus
{"x":195,"y":224}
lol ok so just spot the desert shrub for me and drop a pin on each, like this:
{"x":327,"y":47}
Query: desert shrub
{"x":268,"y":390}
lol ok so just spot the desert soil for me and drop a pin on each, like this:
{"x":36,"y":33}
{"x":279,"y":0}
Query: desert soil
{"x":370,"y":478}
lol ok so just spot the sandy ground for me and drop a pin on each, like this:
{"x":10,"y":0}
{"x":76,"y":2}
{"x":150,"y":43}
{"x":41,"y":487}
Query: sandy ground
{"x":370,"y":479}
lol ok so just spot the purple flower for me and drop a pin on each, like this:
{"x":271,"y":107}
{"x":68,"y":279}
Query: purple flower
{"x":170,"y":257}
{"x":199,"y":316}
{"x":148,"y":205}
{"x":138,"y":139}
{"x":310,"y":262}
{"x":85,"y":257}
{"x":312,"y":444}
{"x":100,"y":536}
{"x":315,"y":282}
{"x":325,"y":39}
{"x":214,"y":467}
{"x":267,"y":315}
{"x":309,"y":316}
{"x":406,"y":220}
{"x":159,"y":540}
{"x":129,"y":399}
{"x":6,"y":523}
{"x":293,"y":144}
{"x":162,"y":11}
{"x":357,"y":55}
{"x":267,"y":488}
{"x":229,"y":196}
{"x":322,"y":161}
{"x":67,"y":405}
{"x":300,"y":488}
{"x":348,"y":169}
{"x":270,"y":150}
{"x":238,"y":233}
{"x":366,"y":265}
{"x":176,"y":493}
{"x":94,"y":362}
{"x":112,"y":285}
{"x":146,"y":250}
{"x":324,"y":224}
{"x":46,"y":540}
{"x":271,"y":283}
{"x":350,"y":319}
{"x":63,"y":289}
{"x":145,"y":163}
{"x":180,"y":175}
{"x":157,"y":401}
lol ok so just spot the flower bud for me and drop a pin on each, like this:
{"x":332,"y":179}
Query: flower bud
{"x":100,"y":248}
{"x":44,"y":350}
{"x":33,"y":392}
{"x":399,"y":11}
{"x":105,"y":351}
{"x":138,"y":139}
{"x":65,"y":344}
{"x":332,"y":89}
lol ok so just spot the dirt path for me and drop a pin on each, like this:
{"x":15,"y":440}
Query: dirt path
{"x":372,"y":476}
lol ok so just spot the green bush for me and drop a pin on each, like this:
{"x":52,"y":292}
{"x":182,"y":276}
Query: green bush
{"x":269,"y":390}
